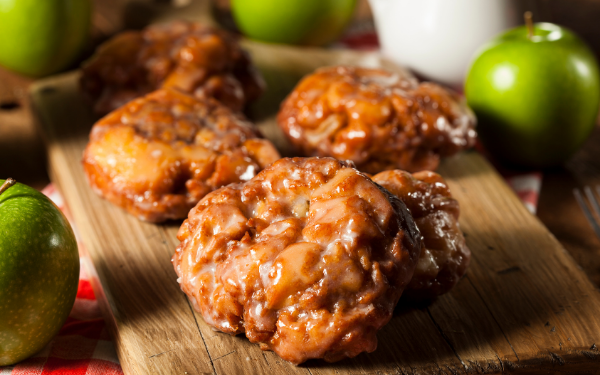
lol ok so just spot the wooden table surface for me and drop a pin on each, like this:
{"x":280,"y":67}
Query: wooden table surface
{"x":22,"y":153}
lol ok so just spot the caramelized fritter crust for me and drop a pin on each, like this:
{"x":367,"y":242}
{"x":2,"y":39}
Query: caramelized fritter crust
{"x":445,"y":256}
{"x":191,"y":57}
{"x":376,"y":118}
{"x":308,"y":258}
{"x":159,"y":155}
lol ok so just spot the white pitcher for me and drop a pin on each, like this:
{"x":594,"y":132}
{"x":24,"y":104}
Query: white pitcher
{"x":438,"y":38}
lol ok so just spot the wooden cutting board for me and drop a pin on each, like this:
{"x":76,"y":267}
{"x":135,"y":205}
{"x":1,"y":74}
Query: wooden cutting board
{"x":523,"y":306}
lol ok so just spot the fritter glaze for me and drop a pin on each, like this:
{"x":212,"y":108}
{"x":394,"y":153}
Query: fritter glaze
{"x":308,"y":258}
{"x":159,"y":155}
{"x":194,"y":58}
{"x":444,"y":256}
{"x":376,"y":118}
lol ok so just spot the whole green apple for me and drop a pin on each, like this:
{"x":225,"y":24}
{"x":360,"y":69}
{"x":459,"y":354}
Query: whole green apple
{"x":306,"y":22}
{"x":38,"y":38}
{"x":535,"y":96}
{"x":39,"y":271}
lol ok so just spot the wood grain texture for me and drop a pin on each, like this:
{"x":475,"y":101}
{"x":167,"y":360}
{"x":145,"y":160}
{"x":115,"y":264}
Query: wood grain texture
{"x":524,"y":305}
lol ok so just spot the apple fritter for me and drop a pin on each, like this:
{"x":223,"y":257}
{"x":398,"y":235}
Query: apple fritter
{"x":445,"y":256}
{"x":376,"y":118}
{"x":308,"y":258}
{"x":191,"y":57}
{"x":159,"y":155}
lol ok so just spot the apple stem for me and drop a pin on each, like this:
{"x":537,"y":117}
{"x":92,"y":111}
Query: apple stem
{"x":529,"y":22}
{"x":8,"y":183}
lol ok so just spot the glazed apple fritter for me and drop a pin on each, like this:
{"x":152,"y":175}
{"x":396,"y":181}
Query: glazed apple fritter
{"x":308,"y":258}
{"x":159,"y":155}
{"x":444,"y":256}
{"x":376,"y":118}
{"x":191,"y":57}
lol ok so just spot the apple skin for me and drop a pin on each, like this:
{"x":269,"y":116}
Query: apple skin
{"x":45,"y":37}
{"x":536,"y":100}
{"x":39,"y":272}
{"x":303,"y":22}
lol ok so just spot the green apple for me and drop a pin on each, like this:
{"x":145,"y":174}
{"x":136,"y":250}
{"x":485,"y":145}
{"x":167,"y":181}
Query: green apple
{"x":39,"y":271}
{"x":535,"y":95}
{"x":38,"y":38}
{"x":306,"y":22}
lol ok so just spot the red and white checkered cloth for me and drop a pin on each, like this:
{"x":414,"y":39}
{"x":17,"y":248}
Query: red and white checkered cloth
{"x":527,"y":187}
{"x":82,"y":347}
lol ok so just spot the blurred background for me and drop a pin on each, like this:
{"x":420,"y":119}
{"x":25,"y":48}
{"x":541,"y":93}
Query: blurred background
{"x":22,"y":151}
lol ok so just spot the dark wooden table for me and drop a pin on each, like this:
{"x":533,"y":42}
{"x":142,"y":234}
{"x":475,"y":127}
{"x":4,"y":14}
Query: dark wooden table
{"x":22,"y":153}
